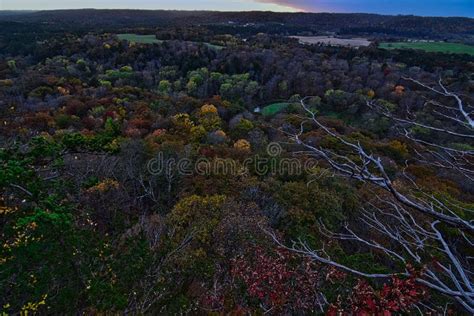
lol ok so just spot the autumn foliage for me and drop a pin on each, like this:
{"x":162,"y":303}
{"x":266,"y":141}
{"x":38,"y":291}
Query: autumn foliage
{"x":397,"y":296}
{"x":278,"y":281}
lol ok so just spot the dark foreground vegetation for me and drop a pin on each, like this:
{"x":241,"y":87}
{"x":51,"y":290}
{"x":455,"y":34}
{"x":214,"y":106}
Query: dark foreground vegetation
{"x":227,"y":169}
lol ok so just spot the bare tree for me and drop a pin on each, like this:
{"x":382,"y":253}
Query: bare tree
{"x":458,"y":113}
{"x":147,"y":292}
{"x":369,"y":168}
{"x":408,"y":220}
{"x":403,"y":239}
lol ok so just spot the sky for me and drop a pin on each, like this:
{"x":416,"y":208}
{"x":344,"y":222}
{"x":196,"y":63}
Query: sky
{"x":416,"y":7}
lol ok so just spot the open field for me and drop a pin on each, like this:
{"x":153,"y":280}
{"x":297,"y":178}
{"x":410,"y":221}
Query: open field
{"x":328,"y":40}
{"x":141,"y":39}
{"x":151,"y":39}
{"x":274,"y":108}
{"x":212,"y":46}
{"x":438,"y":47}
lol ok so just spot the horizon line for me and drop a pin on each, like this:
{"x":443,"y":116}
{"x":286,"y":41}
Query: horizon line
{"x":232,"y":11}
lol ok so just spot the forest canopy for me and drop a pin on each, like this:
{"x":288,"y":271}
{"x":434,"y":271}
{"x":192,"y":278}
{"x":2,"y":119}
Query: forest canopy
{"x":207,"y":163}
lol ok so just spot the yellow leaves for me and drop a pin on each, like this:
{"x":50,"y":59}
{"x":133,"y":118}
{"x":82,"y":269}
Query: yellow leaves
{"x":196,"y":206}
{"x":199,"y":253}
{"x":211,"y":122}
{"x":5,"y":307}
{"x":399,"y":147}
{"x":32,"y":306}
{"x":371,"y":94}
{"x":33,"y":225}
{"x":33,"y":279}
{"x":19,"y":240}
{"x":197,"y":214}
{"x":104,"y":186}
{"x":209,"y":117}
{"x":243,"y":145}
{"x":4,"y":210}
{"x":198,"y":133}
{"x":114,"y":145}
{"x":6,"y":83}
{"x":122,"y":111}
{"x":208,"y":108}
{"x":182,"y":121}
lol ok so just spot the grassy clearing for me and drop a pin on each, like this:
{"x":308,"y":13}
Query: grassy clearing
{"x":151,"y":39}
{"x":333,"y":41}
{"x":214,"y":47}
{"x":437,"y":47}
{"x":274,"y":108}
{"x":141,"y":39}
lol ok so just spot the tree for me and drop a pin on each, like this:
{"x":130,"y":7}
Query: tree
{"x":457,"y":124}
{"x":164,"y":87}
{"x":413,"y":225}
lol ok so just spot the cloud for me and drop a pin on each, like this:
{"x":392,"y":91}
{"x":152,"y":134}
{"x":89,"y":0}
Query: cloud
{"x":303,"y":5}
{"x":224,"y":5}
{"x":417,"y":7}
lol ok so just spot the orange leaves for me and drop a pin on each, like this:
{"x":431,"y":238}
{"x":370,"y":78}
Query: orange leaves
{"x":133,"y":132}
{"x":140,"y":123}
{"x":242,"y":145}
{"x":220,"y":133}
{"x":371,"y":94}
{"x":104,"y":186}
{"x":63,"y":91}
{"x":399,"y":90}
{"x":159,"y":132}
{"x":208,"y":108}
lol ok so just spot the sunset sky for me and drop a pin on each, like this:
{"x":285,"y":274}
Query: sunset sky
{"x":418,"y":7}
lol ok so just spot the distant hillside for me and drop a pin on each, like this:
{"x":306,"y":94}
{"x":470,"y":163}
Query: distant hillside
{"x":15,"y":12}
{"x":408,"y":26}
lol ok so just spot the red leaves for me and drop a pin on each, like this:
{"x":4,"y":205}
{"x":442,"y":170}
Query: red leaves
{"x":278,"y":280}
{"x":400,"y":295}
{"x":335,"y":275}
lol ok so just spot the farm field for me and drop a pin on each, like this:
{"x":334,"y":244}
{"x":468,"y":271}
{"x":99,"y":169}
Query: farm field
{"x":151,"y":39}
{"x":437,"y":47}
{"x":328,"y":40}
